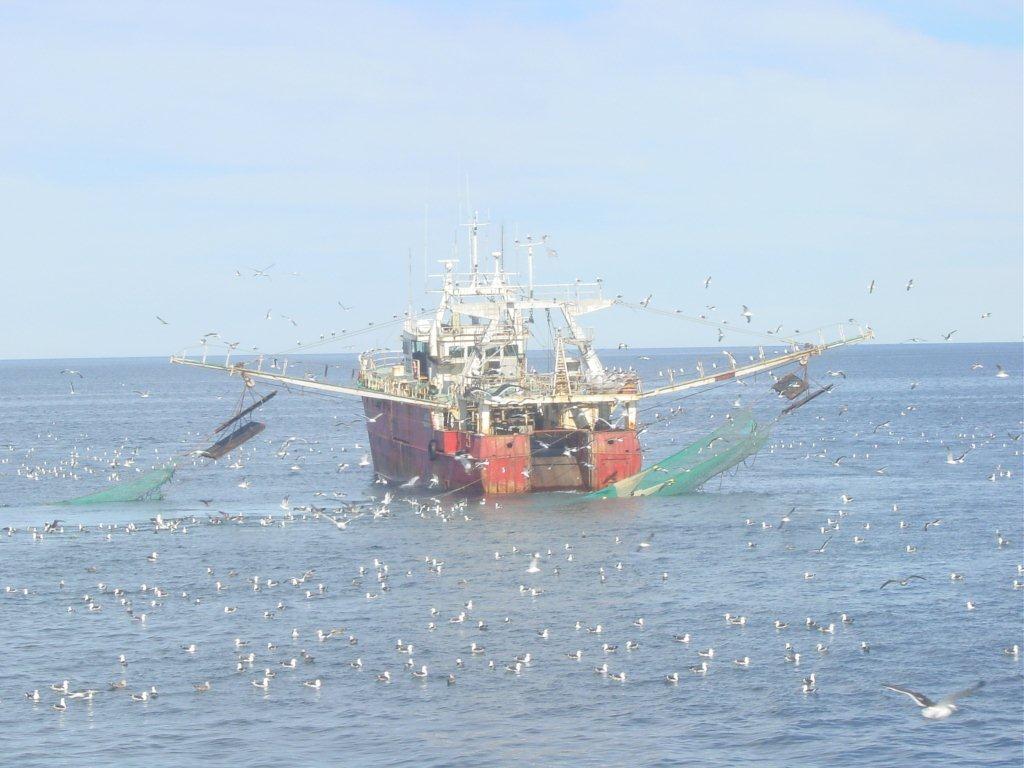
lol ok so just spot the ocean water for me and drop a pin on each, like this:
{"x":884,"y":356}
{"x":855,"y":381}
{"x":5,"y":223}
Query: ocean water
{"x":880,"y":437}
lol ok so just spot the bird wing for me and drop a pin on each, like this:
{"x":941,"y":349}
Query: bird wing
{"x":914,"y":576}
{"x":965,"y":692}
{"x":887,"y":583}
{"x":919,"y":698}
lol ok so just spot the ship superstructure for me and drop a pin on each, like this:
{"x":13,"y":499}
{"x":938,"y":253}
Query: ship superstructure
{"x":460,"y":406}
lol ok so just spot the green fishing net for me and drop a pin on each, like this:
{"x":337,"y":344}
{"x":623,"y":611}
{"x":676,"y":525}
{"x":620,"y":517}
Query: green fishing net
{"x":145,"y":486}
{"x":685,"y":471}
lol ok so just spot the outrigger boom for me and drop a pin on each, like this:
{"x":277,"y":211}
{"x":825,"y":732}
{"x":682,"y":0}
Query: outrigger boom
{"x":800,"y":356}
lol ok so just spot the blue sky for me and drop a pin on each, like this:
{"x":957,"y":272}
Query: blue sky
{"x":794,"y":151}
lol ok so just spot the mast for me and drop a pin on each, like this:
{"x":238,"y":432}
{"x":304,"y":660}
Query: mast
{"x":473,"y":225}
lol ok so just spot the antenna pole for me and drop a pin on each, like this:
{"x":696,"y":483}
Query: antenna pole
{"x":473,"y":249}
{"x":500,"y":266}
{"x":410,"y":285}
{"x":529,"y":263}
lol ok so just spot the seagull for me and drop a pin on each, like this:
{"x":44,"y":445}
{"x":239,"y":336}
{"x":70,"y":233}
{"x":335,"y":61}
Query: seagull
{"x":948,"y":336}
{"x":936,"y":710}
{"x":871,"y":288}
{"x":260,"y":272}
{"x":1000,"y":373}
{"x":901,"y":582}
{"x":950,"y":459}
{"x":162,"y":320}
{"x":202,"y":687}
{"x":910,"y":283}
{"x":746,"y":313}
{"x":707,"y":281}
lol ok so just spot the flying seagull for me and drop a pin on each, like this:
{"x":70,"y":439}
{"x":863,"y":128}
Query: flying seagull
{"x":901,"y":582}
{"x":261,"y":272}
{"x":162,"y":320}
{"x":936,"y":710}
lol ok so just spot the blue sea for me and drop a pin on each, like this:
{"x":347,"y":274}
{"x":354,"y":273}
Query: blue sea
{"x":867,"y":462}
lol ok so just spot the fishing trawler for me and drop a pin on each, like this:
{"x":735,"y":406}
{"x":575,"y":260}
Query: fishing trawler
{"x":460,"y":407}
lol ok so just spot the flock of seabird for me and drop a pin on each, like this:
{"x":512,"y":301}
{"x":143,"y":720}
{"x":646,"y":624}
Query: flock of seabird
{"x":287,"y":661}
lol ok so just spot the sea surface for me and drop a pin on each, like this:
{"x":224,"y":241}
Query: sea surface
{"x":880,"y":439}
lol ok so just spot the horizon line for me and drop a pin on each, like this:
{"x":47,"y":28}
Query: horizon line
{"x":866,"y":344}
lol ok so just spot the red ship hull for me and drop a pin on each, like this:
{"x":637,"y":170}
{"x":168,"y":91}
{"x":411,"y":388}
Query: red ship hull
{"x":405,"y":445}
